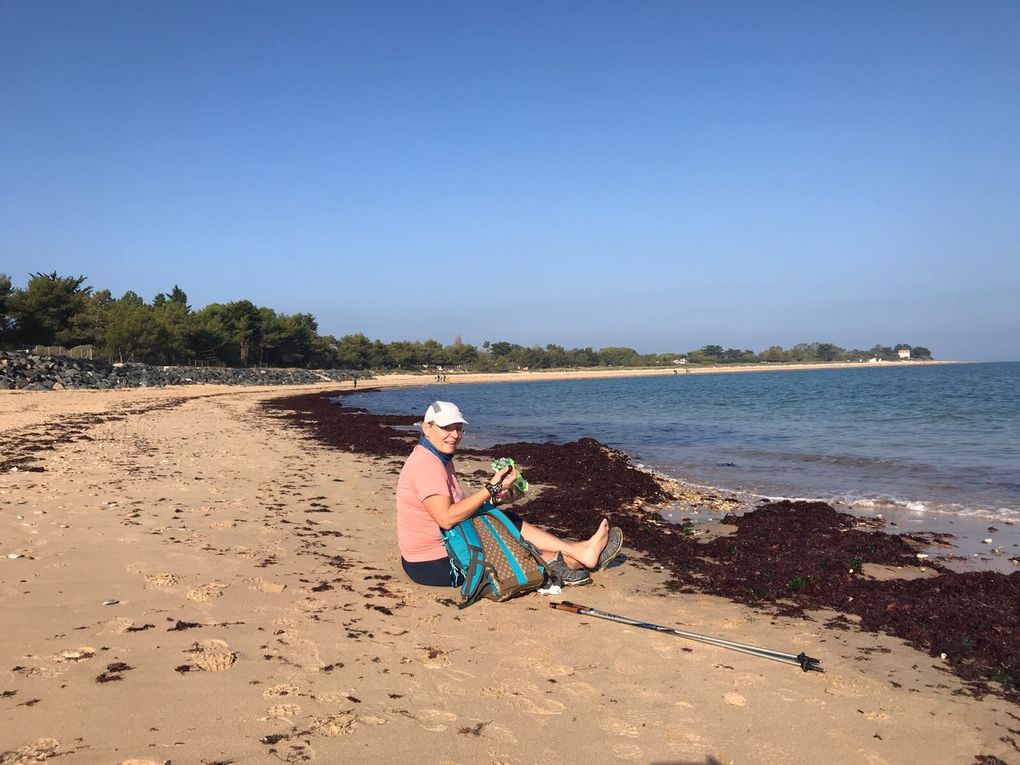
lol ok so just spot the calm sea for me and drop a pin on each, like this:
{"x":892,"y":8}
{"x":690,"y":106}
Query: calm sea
{"x":932,"y":439}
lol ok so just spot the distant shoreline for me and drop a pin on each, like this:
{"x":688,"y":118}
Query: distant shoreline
{"x":393,"y":380}
{"x":218,"y":377}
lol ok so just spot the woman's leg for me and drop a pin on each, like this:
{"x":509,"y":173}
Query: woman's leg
{"x":583,"y":554}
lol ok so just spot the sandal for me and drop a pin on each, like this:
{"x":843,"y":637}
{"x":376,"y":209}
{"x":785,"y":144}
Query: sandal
{"x":614,"y":545}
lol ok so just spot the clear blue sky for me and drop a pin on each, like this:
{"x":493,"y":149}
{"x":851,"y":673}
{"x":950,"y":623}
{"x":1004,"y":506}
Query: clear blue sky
{"x":663,"y":175}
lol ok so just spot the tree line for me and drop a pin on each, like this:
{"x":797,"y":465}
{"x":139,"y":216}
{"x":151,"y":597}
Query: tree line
{"x":63,"y":310}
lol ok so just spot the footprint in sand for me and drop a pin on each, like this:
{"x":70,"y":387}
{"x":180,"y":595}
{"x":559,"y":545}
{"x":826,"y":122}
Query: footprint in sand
{"x":579,"y":689}
{"x":459,"y":675}
{"x":498,"y":733}
{"x":452,"y":690}
{"x":735,"y":699}
{"x":281,"y":691}
{"x":48,"y":672}
{"x":840,"y":686}
{"x":339,"y":724}
{"x":686,"y":738}
{"x":220,"y":525}
{"x":36,"y":750}
{"x":84,"y":653}
{"x":545,"y":707}
{"x":206,"y":592}
{"x":118,"y":626}
{"x":282,"y":712}
{"x":553,"y":670}
{"x":620,"y":727}
{"x":264,"y":585}
{"x":434,"y":658}
{"x":333,"y":697}
{"x":628,"y":752}
{"x":164,"y":582}
{"x":433,"y":720}
{"x":213,"y":655}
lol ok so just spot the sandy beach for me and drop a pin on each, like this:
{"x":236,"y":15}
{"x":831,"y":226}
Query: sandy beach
{"x":185,"y":578}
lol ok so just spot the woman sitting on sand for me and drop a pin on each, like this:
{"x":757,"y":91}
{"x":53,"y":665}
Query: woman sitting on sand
{"x":429,"y":497}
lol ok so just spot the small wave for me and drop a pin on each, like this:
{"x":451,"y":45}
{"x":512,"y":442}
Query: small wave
{"x":928,"y":508}
{"x":848,"y":460}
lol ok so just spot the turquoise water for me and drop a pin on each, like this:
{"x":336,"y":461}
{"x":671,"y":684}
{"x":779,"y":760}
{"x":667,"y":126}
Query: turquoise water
{"x":944,"y":439}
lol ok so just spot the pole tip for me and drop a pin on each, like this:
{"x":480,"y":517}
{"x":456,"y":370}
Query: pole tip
{"x":807,"y":664}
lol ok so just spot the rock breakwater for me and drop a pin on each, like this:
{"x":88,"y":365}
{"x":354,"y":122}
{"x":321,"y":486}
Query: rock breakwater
{"x":24,"y":371}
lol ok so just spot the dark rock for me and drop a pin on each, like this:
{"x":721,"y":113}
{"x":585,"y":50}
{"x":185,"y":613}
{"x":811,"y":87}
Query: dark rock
{"x":30,"y":372}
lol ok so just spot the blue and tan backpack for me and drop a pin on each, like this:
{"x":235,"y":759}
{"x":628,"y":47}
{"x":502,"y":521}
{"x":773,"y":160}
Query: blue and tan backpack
{"x":490,"y":558}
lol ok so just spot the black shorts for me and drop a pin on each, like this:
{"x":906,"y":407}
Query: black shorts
{"x":439,"y":572}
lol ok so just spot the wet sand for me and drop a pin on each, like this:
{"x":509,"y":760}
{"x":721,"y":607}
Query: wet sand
{"x":186,"y":576}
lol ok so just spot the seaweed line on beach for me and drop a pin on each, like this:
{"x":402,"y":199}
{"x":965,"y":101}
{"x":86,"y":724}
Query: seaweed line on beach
{"x":22,"y":450}
{"x":785,"y":557}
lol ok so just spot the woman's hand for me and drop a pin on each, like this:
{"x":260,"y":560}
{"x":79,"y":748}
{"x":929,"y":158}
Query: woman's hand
{"x":507,"y":496}
{"x":505,"y":477}
{"x":506,"y":480}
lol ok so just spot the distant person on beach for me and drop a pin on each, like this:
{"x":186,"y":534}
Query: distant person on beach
{"x":429,"y":497}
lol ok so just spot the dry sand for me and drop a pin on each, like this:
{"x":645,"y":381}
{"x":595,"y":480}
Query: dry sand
{"x":237,"y":589}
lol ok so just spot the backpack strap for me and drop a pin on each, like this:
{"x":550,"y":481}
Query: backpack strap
{"x":467,"y":558}
{"x":476,"y":579}
{"x":489,"y":519}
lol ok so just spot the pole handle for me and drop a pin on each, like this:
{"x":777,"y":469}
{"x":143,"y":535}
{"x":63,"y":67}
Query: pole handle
{"x":566,"y":605}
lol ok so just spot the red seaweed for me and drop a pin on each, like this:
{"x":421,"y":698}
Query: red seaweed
{"x":786,"y":557}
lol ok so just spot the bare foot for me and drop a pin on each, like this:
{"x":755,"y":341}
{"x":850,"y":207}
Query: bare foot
{"x":588,"y":552}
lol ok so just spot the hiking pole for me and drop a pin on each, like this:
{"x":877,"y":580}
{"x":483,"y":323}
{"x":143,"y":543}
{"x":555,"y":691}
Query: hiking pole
{"x":802,"y":660}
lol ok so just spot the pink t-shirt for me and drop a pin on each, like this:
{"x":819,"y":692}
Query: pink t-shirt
{"x":423,"y":475}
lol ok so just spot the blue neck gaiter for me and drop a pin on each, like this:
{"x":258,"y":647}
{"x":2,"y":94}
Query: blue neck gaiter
{"x":445,"y":458}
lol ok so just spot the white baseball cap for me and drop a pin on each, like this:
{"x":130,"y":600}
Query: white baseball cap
{"x":443,"y":413}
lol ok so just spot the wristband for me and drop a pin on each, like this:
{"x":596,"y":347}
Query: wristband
{"x":494,"y":489}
